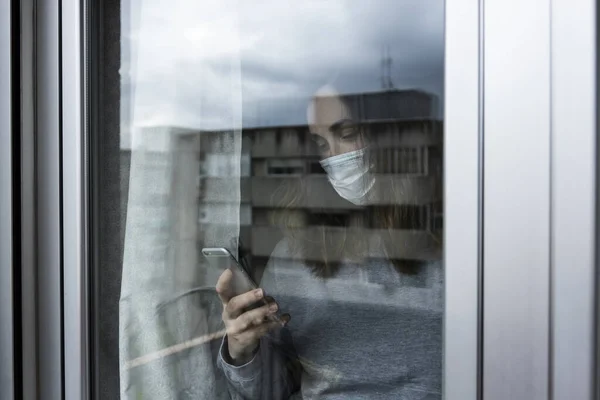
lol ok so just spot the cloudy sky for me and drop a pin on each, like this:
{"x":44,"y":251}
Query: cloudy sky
{"x":208,"y":64}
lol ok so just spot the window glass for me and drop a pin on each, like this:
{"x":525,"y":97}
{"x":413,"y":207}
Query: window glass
{"x":304,"y":138}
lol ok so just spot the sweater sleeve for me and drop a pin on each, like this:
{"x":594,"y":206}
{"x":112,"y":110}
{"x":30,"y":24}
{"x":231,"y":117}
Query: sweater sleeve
{"x":273,"y":373}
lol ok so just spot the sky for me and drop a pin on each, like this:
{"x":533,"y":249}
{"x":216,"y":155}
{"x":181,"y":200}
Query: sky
{"x":205,"y":64}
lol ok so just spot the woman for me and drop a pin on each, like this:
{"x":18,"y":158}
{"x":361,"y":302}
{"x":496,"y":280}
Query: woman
{"x":363,"y":325}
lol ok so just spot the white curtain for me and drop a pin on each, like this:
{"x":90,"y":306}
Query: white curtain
{"x":181,"y":96}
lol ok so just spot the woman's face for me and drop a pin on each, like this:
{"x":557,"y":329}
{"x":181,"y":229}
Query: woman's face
{"x":335,"y":132}
{"x":331,"y":125}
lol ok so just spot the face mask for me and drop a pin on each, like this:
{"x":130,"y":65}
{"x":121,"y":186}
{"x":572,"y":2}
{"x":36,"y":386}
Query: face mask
{"x":350,"y":175}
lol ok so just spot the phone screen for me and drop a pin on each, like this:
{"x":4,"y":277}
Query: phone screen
{"x":241,"y":282}
{"x":221,"y":258}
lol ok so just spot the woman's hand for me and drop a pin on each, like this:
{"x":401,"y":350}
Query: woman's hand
{"x":244,"y":328}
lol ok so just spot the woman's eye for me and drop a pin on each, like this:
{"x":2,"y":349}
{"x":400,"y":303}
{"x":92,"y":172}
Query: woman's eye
{"x":322,"y":146}
{"x":320,"y":143}
{"x":349,"y":134}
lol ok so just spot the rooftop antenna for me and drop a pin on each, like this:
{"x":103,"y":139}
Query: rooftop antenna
{"x":386,"y":69}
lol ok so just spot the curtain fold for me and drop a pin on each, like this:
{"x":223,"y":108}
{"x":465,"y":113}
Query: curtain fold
{"x":181,"y":88}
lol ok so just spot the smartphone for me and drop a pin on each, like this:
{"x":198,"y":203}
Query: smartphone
{"x":241,"y":282}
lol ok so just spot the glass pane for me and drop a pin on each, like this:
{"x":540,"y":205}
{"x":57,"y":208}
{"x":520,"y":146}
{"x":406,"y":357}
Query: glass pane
{"x":304,"y":138}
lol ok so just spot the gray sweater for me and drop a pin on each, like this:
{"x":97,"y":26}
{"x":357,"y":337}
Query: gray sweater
{"x":367,"y":333}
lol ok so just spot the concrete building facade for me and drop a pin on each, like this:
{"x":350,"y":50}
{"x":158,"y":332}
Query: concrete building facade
{"x":405,"y":136}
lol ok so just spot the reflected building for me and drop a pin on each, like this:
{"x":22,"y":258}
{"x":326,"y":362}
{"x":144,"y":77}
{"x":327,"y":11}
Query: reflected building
{"x":403,"y":130}
{"x":216,"y":186}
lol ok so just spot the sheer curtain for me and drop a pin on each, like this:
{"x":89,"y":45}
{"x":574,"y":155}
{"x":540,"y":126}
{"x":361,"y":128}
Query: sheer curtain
{"x":181,"y":128}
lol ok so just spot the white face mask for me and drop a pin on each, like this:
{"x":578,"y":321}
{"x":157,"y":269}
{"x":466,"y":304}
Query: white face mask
{"x":350,"y":175}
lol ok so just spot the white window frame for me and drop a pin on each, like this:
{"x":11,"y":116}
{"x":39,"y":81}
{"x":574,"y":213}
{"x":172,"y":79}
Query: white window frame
{"x":516,"y":233}
{"x":574,"y":196}
{"x":540,"y":283}
{"x":462,"y":209}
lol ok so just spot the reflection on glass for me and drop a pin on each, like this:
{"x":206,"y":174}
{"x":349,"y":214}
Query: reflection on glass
{"x":309,"y":143}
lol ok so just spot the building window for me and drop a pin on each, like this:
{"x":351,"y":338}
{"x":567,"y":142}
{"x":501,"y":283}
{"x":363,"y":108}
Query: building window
{"x":286,"y":167}
{"x":314,"y":167}
{"x":328,"y":219}
{"x":437,"y":216}
{"x":409,"y":217}
{"x":401,"y":160}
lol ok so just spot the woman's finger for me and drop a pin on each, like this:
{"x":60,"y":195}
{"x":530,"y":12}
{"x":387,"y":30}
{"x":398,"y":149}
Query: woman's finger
{"x":235,"y":306}
{"x":256,"y":332}
{"x":255,"y":317}
{"x":223,"y":286}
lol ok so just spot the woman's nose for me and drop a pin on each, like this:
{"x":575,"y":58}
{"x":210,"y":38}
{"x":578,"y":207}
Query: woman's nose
{"x":333,"y":151}
{"x":337,"y":148}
